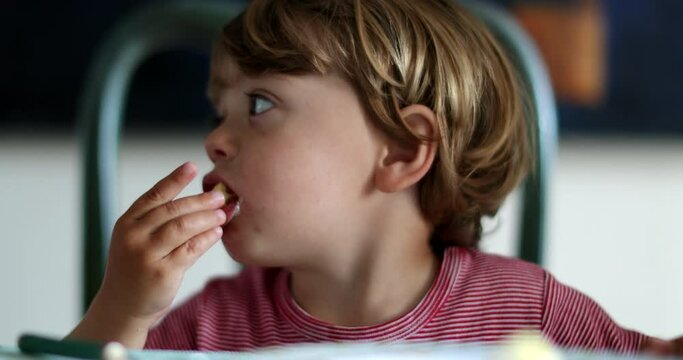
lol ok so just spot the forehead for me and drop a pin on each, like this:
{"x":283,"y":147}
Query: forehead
{"x":224,"y":73}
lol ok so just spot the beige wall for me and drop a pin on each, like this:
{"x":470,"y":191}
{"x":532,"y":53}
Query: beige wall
{"x":615,"y":227}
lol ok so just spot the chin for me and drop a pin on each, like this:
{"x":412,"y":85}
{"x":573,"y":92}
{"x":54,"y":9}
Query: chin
{"x":246,"y":255}
{"x":235,"y":252}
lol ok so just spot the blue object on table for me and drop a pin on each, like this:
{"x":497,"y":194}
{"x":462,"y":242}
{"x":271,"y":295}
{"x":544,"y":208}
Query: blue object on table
{"x":170,"y":25}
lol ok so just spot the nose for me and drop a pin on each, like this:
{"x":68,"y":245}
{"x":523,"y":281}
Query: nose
{"x":220,"y":144}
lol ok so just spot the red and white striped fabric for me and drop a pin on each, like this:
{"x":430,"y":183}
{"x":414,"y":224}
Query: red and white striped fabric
{"x":476,"y":297}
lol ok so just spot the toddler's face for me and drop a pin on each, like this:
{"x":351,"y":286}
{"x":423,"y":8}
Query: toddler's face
{"x":299,"y":151}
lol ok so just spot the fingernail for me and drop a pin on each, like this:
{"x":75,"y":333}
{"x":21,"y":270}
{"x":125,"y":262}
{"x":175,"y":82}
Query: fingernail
{"x":186,"y":168}
{"x":216,"y":197}
{"x":218,"y":231}
{"x":220,"y":215}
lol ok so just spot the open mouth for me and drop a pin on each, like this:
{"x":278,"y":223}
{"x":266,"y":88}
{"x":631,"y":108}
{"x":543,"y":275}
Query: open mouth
{"x":232,"y":200}
{"x":227,"y":193}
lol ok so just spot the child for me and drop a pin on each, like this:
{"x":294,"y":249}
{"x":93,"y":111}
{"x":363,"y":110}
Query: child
{"x":360,"y":142}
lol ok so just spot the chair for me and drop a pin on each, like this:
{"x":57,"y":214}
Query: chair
{"x":530,"y":66}
{"x":166,"y":26}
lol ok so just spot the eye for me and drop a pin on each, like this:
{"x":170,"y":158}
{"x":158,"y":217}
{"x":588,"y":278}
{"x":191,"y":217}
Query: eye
{"x":258,"y":104}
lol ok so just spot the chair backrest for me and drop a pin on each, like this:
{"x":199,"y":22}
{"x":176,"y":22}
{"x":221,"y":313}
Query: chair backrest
{"x":152,"y":29}
{"x":542,"y":123}
{"x":166,"y":26}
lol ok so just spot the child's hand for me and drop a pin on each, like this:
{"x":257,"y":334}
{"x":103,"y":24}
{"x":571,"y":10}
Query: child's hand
{"x":156,"y":241}
{"x":153,"y":243}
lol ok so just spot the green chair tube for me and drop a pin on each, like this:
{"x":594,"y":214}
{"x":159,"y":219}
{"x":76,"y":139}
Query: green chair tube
{"x":543,"y":123}
{"x":152,"y":29}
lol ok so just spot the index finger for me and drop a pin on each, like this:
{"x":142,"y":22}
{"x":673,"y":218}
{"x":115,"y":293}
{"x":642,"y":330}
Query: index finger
{"x":164,"y":191}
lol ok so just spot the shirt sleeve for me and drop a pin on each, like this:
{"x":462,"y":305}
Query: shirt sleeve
{"x":178,"y":329}
{"x":573,"y":320}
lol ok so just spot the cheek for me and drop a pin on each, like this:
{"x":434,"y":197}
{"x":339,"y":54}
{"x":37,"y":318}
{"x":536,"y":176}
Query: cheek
{"x":304,"y":180}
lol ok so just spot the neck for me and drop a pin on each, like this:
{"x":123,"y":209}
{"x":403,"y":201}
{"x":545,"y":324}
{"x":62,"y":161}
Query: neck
{"x":384,"y":278}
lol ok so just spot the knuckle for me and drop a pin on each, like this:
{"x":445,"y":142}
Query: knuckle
{"x":165,"y":276}
{"x":134,"y":251}
{"x":192,"y":247}
{"x":133,"y":234}
{"x":180,"y":225}
{"x":146,"y":257}
{"x":119,"y":226}
{"x":189,"y":252}
{"x":160,"y":274}
{"x":124,"y":238}
{"x":122,"y":224}
{"x":136,"y":248}
{"x":154,"y":194}
{"x":172,"y":207}
{"x":133,"y":244}
{"x":157,"y":237}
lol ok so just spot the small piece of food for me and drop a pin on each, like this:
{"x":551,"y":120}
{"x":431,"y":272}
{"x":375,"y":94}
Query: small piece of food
{"x":223,"y":190}
{"x":232,"y":201}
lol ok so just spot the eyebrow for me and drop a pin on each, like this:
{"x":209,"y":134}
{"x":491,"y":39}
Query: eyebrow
{"x":218,"y":84}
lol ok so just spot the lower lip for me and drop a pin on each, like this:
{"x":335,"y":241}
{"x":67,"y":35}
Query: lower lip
{"x":231,"y":210}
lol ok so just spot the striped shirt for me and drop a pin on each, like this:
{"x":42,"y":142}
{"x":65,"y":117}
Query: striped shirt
{"x":475,"y":297}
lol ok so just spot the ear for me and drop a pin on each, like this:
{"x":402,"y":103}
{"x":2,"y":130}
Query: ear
{"x":402,"y":166}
